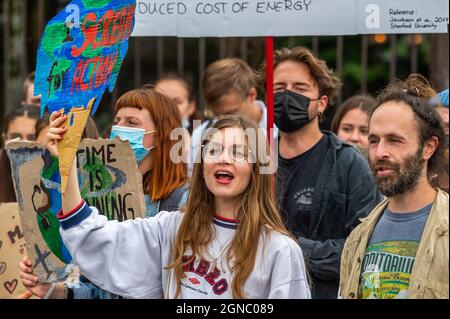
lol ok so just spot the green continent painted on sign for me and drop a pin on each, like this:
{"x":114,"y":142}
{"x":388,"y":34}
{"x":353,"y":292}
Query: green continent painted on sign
{"x":55,"y":34}
{"x":89,"y":53}
{"x":57,"y":73}
{"x":99,"y":178}
{"x":48,"y":172}
{"x":95,"y":3}
{"x":50,"y":233}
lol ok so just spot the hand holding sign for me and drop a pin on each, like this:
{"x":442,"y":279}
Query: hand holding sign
{"x":108,"y":179}
{"x":31,"y":281}
{"x":74,"y":126}
{"x":56,"y":132}
{"x":79,"y":57}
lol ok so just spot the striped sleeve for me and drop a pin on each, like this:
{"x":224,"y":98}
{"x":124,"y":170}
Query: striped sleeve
{"x":74,"y":217}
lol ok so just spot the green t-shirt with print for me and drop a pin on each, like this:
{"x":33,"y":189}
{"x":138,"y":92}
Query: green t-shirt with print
{"x":390,"y":254}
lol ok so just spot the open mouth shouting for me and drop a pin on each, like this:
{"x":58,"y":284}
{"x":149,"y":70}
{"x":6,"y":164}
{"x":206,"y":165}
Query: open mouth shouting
{"x":223,"y":177}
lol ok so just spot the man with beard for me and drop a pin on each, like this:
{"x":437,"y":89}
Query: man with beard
{"x":401,"y":249}
{"x":323,"y":185}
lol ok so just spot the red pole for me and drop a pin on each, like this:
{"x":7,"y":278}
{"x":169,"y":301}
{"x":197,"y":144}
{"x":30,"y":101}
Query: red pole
{"x":270,"y":100}
{"x":269,"y":88}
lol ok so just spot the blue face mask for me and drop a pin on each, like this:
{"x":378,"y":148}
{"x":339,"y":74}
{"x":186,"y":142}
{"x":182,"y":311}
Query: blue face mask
{"x":135,"y":136}
{"x":186,"y":123}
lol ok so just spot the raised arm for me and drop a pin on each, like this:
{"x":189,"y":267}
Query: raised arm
{"x":72,"y":197}
{"x":122,"y":258}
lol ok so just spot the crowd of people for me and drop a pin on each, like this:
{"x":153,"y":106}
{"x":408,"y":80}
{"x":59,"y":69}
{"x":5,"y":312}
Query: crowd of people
{"x":358,"y":211}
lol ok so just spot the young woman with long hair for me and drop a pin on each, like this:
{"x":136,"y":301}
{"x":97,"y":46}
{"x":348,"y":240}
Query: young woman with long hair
{"x":229,"y":242}
{"x":351,"y":120}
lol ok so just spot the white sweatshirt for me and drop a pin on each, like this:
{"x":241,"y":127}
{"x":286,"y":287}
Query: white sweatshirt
{"x":129,"y":258}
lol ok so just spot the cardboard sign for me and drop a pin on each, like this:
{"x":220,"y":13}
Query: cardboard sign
{"x":109,"y":180}
{"x":68,"y":146}
{"x":79,"y":56}
{"x":12,"y":251}
{"x":254,"y":18}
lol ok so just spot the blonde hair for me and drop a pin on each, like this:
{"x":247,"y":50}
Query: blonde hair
{"x":226,"y":76}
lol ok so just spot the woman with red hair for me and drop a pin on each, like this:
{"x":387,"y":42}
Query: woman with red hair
{"x":147,"y":119}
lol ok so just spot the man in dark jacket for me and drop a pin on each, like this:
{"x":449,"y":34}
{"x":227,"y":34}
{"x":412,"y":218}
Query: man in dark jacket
{"x":323,"y":185}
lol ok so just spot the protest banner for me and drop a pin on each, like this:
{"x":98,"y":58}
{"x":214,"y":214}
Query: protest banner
{"x":276,"y":18}
{"x":12,"y":250}
{"x":79,"y":56}
{"x":399,"y":16}
{"x":109,"y":180}
{"x":231,"y":18}
{"x":255,"y":18}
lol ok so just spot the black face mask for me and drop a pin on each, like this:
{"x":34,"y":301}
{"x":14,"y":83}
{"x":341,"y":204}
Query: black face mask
{"x":291,"y":111}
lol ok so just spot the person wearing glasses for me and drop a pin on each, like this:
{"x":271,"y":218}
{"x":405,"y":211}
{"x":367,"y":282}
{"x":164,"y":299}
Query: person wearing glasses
{"x":228,"y":242}
{"x":18,"y":126}
{"x":229,"y":88}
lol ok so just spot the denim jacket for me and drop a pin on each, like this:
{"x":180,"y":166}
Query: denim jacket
{"x":344,"y":192}
{"x":87,"y":290}
{"x":174,"y":202}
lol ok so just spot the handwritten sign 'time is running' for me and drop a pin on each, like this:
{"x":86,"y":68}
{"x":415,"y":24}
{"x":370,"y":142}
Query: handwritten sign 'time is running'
{"x":252,"y":18}
{"x":108,"y":177}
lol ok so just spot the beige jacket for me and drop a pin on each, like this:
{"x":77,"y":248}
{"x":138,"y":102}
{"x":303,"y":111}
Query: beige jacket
{"x":429,"y":277}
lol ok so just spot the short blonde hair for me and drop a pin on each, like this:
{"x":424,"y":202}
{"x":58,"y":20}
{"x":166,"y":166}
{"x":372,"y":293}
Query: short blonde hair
{"x":227,"y":76}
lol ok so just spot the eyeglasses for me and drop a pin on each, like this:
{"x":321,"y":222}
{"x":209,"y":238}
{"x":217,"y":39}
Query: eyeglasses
{"x":213,"y":151}
{"x":233,"y":112}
